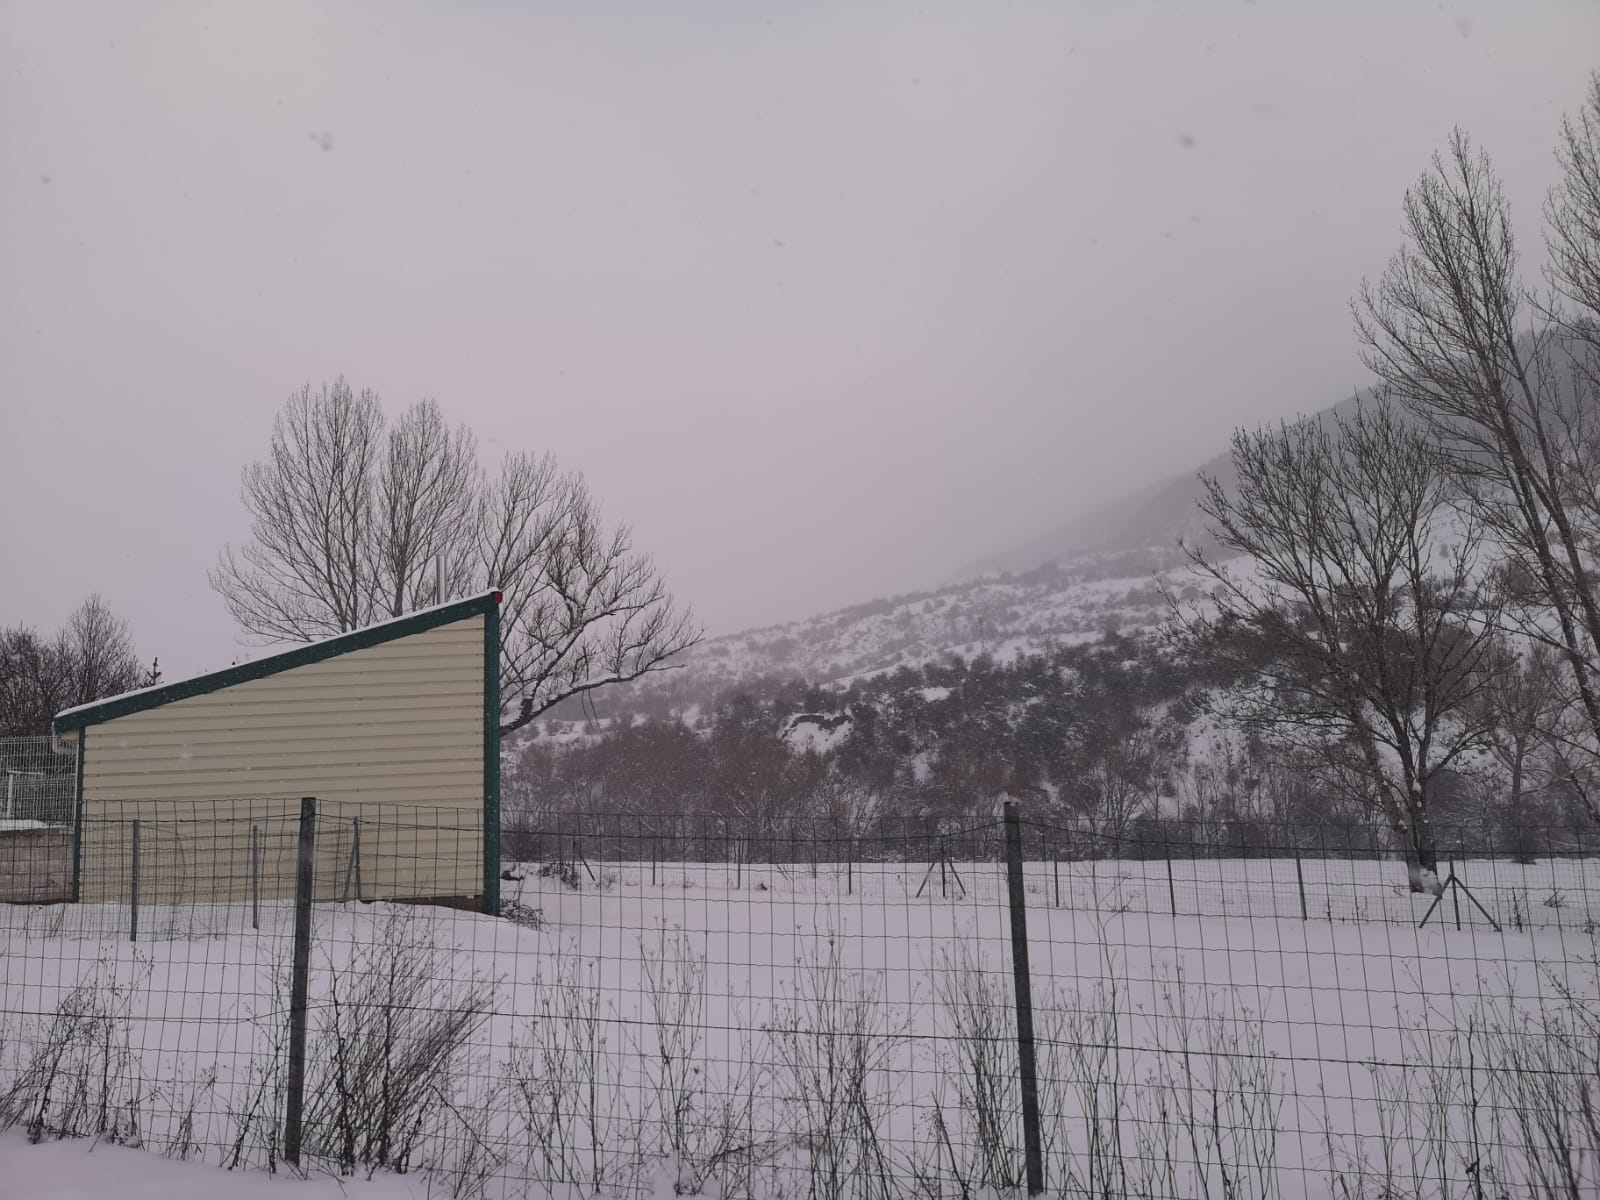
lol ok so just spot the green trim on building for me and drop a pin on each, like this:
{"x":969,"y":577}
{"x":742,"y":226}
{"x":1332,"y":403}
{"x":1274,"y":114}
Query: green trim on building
{"x":491,"y":761}
{"x":300,"y":656}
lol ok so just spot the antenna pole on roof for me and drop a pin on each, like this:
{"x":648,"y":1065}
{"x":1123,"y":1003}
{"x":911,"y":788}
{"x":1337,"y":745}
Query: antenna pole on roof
{"x":438,"y":580}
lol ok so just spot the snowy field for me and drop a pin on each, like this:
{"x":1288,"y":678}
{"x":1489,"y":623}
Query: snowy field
{"x":757,"y":1030}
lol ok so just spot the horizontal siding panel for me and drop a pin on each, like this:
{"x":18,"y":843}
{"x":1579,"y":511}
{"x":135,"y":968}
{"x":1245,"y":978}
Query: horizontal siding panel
{"x":192,"y":780}
{"x":426,"y":796}
{"x":289,"y":722}
{"x":392,"y":735}
{"x":455,"y":648}
{"x":212,"y":747}
{"x":419,"y":648}
{"x":280,"y":816}
{"x":441,"y":666}
{"x":224,"y":816}
{"x":216,"y":749}
{"x":458,"y":794}
{"x":395,"y":687}
{"x":272,"y":727}
{"x":349,"y":761}
{"x":375,"y":663}
{"x":352,"y":704}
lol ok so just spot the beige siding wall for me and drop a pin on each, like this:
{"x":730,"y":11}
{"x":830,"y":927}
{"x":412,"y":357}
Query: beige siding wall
{"x":389,"y":739}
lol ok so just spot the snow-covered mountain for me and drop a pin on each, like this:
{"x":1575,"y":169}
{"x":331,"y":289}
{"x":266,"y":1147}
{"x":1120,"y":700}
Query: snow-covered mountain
{"x":1000,"y":614}
{"x":1102,"y":571}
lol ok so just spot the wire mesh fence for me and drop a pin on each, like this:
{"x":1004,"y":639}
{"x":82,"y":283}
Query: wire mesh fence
{"x":37,"y":777}
{"x":716,"y":1007}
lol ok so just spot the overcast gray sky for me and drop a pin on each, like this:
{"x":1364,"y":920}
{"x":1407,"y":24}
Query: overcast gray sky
{"x":826,"y":300}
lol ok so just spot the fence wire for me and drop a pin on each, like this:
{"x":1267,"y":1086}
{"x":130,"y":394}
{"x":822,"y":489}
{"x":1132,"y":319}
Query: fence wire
{"x":37,"y":782}
{"x":709,"y":1006}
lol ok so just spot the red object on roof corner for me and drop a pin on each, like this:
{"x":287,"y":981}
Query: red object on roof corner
{"x":496,"y":595}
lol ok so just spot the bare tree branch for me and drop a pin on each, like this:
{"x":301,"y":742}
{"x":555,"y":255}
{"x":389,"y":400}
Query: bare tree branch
{"x":599,"y":614}
{"x":1506,"y":382}
{"x":1360,"y":613}
{"x":91,"y":657}
{"x":349,"y":518}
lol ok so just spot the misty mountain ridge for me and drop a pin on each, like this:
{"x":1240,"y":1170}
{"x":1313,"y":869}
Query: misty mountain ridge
{"x":1101,"y":572}
{"x":1001,"y":614}
{"x":1155,"y":515}
{"x":1152,"y":516}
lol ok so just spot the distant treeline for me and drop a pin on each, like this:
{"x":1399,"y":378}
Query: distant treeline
{"x":1114,"y":741}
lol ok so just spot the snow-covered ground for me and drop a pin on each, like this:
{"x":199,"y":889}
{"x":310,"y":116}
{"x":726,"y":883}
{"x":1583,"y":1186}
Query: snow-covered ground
{"x":91,"y":1170}
{"x":1303,"y":1035}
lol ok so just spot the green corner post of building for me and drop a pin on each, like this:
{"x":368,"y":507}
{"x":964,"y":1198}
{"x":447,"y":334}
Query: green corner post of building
{"x":491,"y":757}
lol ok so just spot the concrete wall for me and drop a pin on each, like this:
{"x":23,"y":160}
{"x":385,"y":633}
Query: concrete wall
{"x":35,"y":866}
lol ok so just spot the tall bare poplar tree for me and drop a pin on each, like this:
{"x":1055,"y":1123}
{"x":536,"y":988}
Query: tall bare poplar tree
{"x":351,"y":517}
{"x":1359,"y":617}
{"x":1508,"y":381}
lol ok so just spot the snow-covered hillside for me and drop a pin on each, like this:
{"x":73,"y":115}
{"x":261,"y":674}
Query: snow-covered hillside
{"x":1103,"y":571}
{"x":1002,"y":615}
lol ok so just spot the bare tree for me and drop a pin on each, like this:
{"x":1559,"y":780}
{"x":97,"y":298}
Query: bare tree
{"x":1359,"y":618}
{"x":90,"y":658}
{"x":589,"y":612}
{"x":1572,"y":234}
{"x":1119,"y":783}
{"x":96,"y":650}
{"x":30,"y":694}
{"x":310,"y":570}
{"x":351,"y":519}
{"x":1527,"y":703}
{"x":429,"y":486}
{"x":1507,"y":382}
{"x":849,"y":806}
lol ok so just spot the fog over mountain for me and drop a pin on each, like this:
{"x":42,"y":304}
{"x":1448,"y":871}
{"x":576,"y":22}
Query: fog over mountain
{"x":1101,"y":571}
{"x":827,"y":302}
{"x":1156,"y":515}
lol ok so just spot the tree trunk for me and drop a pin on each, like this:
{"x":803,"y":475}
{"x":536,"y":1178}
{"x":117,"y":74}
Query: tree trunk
{"x":1521,"y":837}
{"x":1422,"y":855}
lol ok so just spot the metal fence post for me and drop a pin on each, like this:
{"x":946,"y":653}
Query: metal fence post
{"x":304,"y":880}
{"x":1016,"y":895}
{"x":356,"y":854}
{"x":1300,"y":879}
{"x":255,"y":877}
{"x":133,"y":888}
